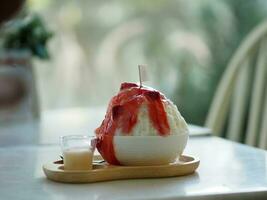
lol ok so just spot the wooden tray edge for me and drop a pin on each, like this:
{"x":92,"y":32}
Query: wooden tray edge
{"x":110,"y":173}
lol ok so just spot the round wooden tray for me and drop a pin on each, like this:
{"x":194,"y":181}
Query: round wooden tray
{"x":102,"y":171}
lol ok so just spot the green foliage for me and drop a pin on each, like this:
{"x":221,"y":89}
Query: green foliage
{"x":28,"y":33}
{"x":187,"y":45}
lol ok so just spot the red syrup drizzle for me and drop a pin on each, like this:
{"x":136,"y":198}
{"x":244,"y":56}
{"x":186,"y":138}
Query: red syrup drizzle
{"x":122,"y":113}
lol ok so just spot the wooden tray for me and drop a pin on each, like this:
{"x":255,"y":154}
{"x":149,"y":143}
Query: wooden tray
{"x":104,"y":172}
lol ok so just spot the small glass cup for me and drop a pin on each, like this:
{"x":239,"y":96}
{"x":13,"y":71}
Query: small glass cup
{"x":78,"y":151}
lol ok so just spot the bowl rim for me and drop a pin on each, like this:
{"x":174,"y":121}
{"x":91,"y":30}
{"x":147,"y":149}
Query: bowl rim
{"x":149,"y":136}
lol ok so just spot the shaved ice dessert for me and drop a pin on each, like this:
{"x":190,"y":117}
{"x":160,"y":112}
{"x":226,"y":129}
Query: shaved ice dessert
{"x":141,"y":127}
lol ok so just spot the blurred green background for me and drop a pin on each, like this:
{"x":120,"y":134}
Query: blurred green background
{"x":98,"y":44}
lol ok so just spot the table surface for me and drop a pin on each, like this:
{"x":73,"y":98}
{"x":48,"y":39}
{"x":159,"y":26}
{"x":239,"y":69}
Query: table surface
{"x":227,"y":170}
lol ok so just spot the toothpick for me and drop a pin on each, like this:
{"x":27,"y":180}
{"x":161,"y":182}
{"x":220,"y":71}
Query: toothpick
{"x":142,"y":74}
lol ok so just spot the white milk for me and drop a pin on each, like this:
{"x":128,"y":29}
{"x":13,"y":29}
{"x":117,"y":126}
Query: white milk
{"x":77,"y":159}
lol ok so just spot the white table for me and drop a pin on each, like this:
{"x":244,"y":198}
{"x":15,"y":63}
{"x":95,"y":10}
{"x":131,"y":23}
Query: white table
{"x":227,"y":170}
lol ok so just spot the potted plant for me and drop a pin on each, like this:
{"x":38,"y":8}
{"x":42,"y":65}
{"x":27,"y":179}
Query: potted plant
{"x":22,"y":39}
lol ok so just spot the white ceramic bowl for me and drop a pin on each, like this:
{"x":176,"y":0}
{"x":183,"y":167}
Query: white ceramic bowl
{"x":149,"y":150}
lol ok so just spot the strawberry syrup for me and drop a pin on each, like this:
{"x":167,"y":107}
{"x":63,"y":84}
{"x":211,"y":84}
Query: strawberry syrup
{"x":122,"y":113}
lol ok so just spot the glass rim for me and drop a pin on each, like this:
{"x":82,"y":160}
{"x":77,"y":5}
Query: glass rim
{"x":77,"y":137}
{"x":66,"y":138}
